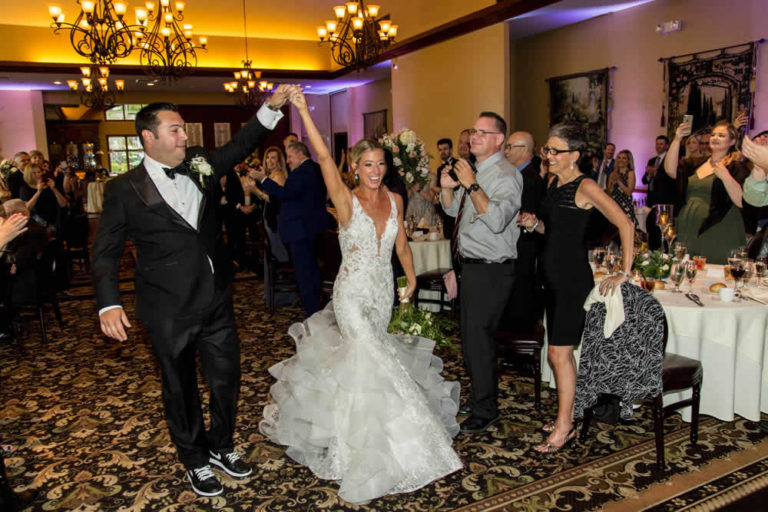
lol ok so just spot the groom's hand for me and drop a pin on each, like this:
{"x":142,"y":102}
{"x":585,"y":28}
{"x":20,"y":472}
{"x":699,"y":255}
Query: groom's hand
{"x":113,"y":323}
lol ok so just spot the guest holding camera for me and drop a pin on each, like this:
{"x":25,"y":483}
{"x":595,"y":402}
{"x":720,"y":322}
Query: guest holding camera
{"x":43,"y":199}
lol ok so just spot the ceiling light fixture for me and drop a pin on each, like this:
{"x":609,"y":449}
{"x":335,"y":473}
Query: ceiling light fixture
{"x":247,"y":85}
{"x":357,"y":36}
{"x":96,"y":91}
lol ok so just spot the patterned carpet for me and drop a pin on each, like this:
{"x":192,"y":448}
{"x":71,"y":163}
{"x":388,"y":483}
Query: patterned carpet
{"x":84,"y":418}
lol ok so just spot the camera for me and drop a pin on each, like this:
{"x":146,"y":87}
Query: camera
{"x":452,"y":172}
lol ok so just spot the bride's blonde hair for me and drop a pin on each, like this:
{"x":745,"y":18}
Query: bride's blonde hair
{"x":361,"y":147}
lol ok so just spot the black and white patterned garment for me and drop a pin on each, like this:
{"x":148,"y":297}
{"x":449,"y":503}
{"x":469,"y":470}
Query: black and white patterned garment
{"x":629,"y":363}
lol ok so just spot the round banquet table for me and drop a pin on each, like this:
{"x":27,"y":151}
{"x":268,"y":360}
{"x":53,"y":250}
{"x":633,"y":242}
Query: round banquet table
{"x":729,"y":338}
{"x":430,"y":255}
{"x":95,"y":197}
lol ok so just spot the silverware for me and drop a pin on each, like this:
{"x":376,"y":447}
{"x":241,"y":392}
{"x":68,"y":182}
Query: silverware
{"x":695,"y":299}
{"x":749,"y":297}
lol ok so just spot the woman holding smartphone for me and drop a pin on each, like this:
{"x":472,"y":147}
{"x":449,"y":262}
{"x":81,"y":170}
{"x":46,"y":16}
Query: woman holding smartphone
{"x":710,"y":223}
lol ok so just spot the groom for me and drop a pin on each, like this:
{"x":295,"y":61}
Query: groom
{"x":166,"y":206}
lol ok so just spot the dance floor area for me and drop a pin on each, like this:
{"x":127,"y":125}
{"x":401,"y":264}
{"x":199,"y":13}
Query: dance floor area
{"x":83,"y":417}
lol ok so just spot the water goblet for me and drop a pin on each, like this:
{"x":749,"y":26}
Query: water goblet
{"x":749,"y":271}
{"x":677,"y":275}
{"x":690,"y":273}
{"x":679,"y":249}
{"x":761,"y":265}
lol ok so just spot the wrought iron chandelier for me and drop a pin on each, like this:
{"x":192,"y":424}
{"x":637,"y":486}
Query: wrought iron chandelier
{"x":167,"y":50}
{"x":249,"y":88}
{"x":99,"y":32}
{"x":96,"y":91}
{"x":357,"y":36}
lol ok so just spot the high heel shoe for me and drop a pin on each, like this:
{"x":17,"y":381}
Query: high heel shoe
{"x":547,"y":447}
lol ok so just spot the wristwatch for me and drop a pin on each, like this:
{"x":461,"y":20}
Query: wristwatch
{"x":473,"y":188}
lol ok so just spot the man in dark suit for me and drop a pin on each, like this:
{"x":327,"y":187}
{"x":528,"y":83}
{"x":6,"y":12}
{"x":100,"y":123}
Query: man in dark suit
{"x":661,"y":190}
{"x":16,"y":179}
{"x":525,"y":305}
{"x":166,"y":206}
{"x":243,"y":215}
{"x":606,"y":165}
{"x":302,"y":216}
{"x":445,"y":148}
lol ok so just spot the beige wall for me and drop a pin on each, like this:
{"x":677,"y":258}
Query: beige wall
{"x":628,"y":41}
{"x":370,"y":97}
{"x":22,"y":123}
{"x":440,"y":90}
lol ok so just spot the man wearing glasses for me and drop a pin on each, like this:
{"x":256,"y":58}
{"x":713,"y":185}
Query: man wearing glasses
{"x":486,"y":206}
{"x":525,"y":307}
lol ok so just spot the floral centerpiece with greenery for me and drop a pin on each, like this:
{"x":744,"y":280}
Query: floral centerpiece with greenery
{"x":653,"y":264}
{"x":409,"y":156}
{"x":408,"y":320}
{"x":7,"y":167}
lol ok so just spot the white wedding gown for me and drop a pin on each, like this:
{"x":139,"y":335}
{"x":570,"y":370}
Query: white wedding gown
{"x":356,"y":404}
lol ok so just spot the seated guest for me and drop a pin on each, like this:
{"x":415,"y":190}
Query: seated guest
{"x":43,"y":199}
{"x":710,"y":223}
{"x":621,"y":183}
{"x":420,"y":206}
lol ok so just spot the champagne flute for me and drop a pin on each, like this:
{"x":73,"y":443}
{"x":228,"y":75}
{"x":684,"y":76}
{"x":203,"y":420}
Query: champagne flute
{"x":690,"y":273}
{"x":663,"y":217}
{"x":677,"y":275}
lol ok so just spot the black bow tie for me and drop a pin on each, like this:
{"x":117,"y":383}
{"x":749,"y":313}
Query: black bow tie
{"x":171,"y":172}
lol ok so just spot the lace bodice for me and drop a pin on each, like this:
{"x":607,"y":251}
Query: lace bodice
{"x":365,"y":275}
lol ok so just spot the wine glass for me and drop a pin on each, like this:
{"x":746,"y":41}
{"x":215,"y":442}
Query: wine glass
{"x":690,"y":273}
{"x":736,"y":266}
{"x":679,"y":249}
{"x":677,"y":275}
{"x":761,"y":265}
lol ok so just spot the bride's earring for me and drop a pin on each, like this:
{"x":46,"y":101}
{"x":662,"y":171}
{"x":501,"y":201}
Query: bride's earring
{"x":357,"y":179}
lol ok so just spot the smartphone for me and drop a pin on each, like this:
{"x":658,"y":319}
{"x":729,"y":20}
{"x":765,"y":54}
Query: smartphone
{"x":687,"y":118}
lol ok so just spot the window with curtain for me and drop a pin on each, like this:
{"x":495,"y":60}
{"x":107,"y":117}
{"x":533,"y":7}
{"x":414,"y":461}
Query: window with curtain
{"x":125,"y":152}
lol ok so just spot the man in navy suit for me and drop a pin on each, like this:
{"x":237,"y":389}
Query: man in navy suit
{"x":165,"y":205}
{"x":302,"y":216}
{"x":606,"y":165}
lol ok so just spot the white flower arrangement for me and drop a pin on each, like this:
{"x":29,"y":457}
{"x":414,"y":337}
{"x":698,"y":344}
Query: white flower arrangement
{"x":7,"y":167}
{"x":409,"y":156}
{"x":200,"y":166}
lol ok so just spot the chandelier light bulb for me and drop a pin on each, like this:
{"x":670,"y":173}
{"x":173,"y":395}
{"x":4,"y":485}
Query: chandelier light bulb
{"x":322,"y":32}
{"x":373,"y":10}
{"x":166,"y":32}
{"x":150,"y":6}
{"x":393,"y":31}
{"x":180,"y":6}
{"x":84,"y":23}
{"x":72,"y":84}
{"x":141,"y":14}
{"x":103,"y":83}
{"x":87,"y":6}
{"x":86,"y":82}
{"x":54,"y":11}
{"x":352,"y":7}
{"x":203,"y":41}
{"x":165,"y":3}
{"x":385,"y":24}
{"x":168,"y":17}
{"x":357,"y":23}
{"x":251,"y":84}
{"x":120,"y":84}
{"x":120,"y":8}
{"x":340,"y":10}
{"x":188,"y":34}
{"x":85,"y":70}
{"x":331,"y":25}
{"x":60,"y":19}
{"x":104,"y":71}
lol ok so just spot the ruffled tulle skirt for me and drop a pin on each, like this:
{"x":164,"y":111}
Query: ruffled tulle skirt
{"x":374,"y":415}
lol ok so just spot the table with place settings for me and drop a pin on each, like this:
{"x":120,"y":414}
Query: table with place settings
{"x":729,"y":338}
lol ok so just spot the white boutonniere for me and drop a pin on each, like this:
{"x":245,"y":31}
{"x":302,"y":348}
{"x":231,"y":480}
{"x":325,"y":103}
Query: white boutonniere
{"x":200,"y":166}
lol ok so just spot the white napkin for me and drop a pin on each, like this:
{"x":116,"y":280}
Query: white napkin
{"x":614,"y":308}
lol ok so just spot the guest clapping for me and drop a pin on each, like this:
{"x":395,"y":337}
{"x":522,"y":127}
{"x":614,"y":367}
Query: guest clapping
{"x":710,"y":223}
{"x":621,"y":183}
{"x":43,"y":199}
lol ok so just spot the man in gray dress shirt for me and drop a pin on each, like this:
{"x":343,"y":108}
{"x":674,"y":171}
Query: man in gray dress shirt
{"x":486,"y":206}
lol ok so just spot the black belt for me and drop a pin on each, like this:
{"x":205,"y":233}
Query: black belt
{"x":478,"y":261}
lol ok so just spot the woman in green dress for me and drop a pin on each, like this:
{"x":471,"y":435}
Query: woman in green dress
{"x":710,"y":223}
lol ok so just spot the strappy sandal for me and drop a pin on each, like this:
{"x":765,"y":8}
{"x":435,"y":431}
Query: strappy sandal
{"x":547,"y":447}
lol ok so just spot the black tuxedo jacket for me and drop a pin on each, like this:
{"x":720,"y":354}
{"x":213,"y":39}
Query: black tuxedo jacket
{"x":173,"y":273}
{"x":662,"y":189}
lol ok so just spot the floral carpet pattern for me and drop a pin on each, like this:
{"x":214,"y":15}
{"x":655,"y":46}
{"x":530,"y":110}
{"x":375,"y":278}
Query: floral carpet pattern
{"x":84,"y":418}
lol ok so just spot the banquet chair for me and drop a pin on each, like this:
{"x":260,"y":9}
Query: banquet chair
{"x":279,"y":276}
{"x":677,"y":373}
{"x":510,"y":345}
{"x":433,"y":281}
{"x":76,"y":234}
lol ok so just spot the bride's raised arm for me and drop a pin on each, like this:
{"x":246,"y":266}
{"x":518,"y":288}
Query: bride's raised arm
{"x":338,"y":191}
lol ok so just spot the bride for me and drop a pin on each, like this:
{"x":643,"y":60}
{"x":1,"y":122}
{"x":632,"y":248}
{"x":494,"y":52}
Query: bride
{"x":356,"y":404}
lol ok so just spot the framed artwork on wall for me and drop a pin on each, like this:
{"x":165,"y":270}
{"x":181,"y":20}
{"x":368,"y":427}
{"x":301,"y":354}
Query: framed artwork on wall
{"x":582,"y":98}
{"x":375,"y":124}
{"x":194,"y":134}
{"x":221,"y":133}
{"x":710,"y":85}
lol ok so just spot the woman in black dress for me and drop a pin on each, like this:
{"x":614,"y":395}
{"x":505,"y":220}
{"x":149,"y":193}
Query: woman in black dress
{"x":568,"y":277}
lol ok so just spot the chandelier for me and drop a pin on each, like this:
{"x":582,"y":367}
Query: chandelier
{"x":96,"y":91}
{"x":99,"y":32}
{"x":357,"y":37}
{"x":248,"y":90}
{"x":167,"y":50}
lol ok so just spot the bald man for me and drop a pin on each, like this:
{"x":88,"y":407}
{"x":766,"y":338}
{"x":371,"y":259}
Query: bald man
{"x":525,"y":305}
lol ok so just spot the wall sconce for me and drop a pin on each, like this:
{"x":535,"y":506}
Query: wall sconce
{"x":669,"y":26}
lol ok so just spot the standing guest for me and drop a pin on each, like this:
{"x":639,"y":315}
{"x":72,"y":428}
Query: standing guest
{"x":704,"y":136}
{"x":16,"y":180}
{"x":43,"y":199}
{"x":166,"y":206}
{"x":621,"y":183}
{"x":570,"y":198}
{"x":692,"y":146}
{"x":485,"y":207}
{"x":464,"y":146}
{"x":242,"y":215}
{"x":524,"y":308}
{"x":36,"y":157}
{"x":606,"y":165}
{"x":710,"y":223}
{"x":445,"y":149}
{"x":290,"y":139}
{"x":661,"y":190}
{"x":276,"y":169}
{"x":302,"y":216}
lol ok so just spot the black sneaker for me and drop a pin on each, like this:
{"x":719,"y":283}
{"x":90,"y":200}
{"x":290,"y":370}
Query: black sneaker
{"x":231,"y":463}
{"x":204,"y":482}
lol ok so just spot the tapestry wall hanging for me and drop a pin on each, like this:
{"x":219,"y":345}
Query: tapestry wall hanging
{"x":582,"y":98}
{"x":710,"y":86}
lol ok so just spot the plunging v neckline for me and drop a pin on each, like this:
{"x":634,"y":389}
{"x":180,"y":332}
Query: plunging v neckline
{"x":370,"y":217}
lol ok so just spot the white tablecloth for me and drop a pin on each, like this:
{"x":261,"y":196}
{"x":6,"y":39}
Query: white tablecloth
{"x":430,"y":255}
{"x":95,"y":195}
{"x":730,"y":341}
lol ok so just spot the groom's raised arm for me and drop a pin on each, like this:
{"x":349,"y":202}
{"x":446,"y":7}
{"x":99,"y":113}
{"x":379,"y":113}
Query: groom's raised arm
{"x":251,"y":135}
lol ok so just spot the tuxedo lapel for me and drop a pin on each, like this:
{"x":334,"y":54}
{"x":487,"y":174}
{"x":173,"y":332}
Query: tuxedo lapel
{"x":147,"y":191}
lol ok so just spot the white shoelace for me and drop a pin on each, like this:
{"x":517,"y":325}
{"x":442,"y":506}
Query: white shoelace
{"x":232,"y":457}
{"x":204,"y":473}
